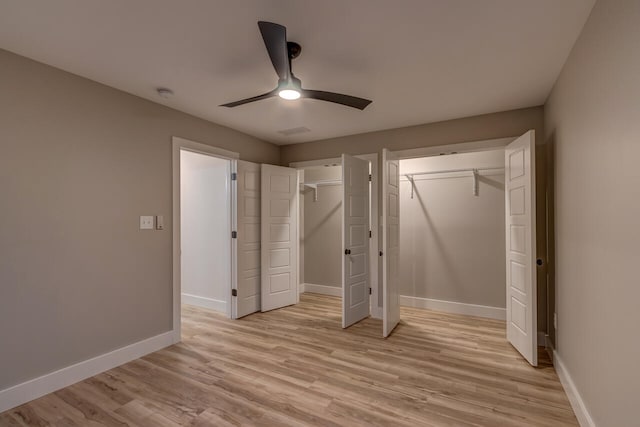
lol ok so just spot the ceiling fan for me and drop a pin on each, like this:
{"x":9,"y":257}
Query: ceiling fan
{"x":289,"y":86}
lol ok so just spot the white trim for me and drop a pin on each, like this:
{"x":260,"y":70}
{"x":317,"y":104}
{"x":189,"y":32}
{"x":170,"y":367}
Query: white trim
{"x":335,"y":291}
{"x":579,"y":408}
{"x":210,"y":303}
{"x":232,"y":307}
{"x":454,"y":307}
{"x":198,"y":147}
{"x":179,"y":144}
{"x":38,"y":387}
{"x":460,"y":147}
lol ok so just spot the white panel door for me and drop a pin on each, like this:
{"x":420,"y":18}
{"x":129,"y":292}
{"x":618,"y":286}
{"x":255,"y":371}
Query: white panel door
{"x":247,"y":298}
{"x":355,"y":240}
{"x":279,"y":242}
{"x":390,"y":242}
{"x":520,"y":210}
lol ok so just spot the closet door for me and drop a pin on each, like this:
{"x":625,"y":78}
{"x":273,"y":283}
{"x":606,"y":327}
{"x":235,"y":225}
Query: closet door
{"x":390,"y":241}
{"x":355,"y":240}
{"x":247,"y":298}
{"x":279,"y":258}
{"x":520,"y":206}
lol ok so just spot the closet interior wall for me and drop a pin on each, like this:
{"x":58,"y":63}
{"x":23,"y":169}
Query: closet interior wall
{"x":453,"y":241}
{"x":321,"y":229}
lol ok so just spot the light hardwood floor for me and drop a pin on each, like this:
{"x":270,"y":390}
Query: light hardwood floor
{"x":296,"y":366}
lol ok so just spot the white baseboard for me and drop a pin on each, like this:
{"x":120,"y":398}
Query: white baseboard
{"x":210,"y":303}
{"x":454,"y":307}
{"x":579,"y":408}
{"x":38,"y":387}
{"x":432,"y":304}
{"x":322,"y":289}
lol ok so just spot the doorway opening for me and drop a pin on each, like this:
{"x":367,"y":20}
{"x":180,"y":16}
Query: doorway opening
{"x":338,"y":237}
{"x":205,"y":225}
{"x":459,"y":253}
{"x":204,"y":250}
{"x":452,"y":229}
{"x":321,"y":230}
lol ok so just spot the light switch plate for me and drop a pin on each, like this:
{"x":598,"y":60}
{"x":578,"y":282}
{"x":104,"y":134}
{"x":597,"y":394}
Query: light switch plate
{"x":146,"y":222}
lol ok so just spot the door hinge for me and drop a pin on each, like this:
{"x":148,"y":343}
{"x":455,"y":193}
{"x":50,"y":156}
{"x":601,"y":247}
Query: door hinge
{"x":347,"y":251}
{"x":369,"y":177}
{"x":234,"y":176}
{"x":380,"y":253}
{"x":369,"y":291}
{"x":234,"y":234}
{"x":369,"y":233}
{"x":234,"y":292}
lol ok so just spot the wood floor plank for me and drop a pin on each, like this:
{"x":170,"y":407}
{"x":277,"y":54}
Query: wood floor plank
{"x":297,"y":367}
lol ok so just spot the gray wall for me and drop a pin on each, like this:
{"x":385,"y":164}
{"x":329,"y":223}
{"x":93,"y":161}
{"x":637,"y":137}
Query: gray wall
{"x":323,"y":229}
{"x":592,"y":120}
{"x":80,"y":163}
{"x":453,"y":242}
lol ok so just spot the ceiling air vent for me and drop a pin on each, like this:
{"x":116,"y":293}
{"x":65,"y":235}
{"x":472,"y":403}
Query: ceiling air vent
{"x":294,"y":131}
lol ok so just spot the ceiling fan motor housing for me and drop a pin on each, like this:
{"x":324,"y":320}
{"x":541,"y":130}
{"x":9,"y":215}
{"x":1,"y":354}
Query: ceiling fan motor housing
{"x":294,"y":49}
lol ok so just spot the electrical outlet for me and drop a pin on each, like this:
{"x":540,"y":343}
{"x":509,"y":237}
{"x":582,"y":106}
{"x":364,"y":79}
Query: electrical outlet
{"x":146,"y":222}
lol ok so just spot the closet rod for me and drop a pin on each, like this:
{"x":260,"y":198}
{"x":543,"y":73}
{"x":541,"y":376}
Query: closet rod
{"x":323,"y":182}
{"x":451,"y":171}
{"x":474,"y":171}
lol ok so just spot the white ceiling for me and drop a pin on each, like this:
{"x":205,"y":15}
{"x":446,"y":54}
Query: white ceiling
{"x":420,"y":61}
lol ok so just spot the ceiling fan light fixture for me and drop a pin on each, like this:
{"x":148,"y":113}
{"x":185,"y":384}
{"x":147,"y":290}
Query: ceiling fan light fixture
{"x":289,"y":94}
{"x":282,"y":52}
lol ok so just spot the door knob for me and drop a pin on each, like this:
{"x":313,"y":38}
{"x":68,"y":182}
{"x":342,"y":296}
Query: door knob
{"x":347,"y":251}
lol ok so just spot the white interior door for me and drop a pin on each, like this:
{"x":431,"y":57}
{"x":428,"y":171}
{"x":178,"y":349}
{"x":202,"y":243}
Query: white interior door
{"x":355,"y":240}
{"x":390,"y":241}
{"x":247,"y":296}
{"x":279,"y":258}
{"x":520,"y":206}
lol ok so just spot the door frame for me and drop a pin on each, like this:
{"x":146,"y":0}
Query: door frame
{"x":178,"y":145}
{"x":376,"y":311}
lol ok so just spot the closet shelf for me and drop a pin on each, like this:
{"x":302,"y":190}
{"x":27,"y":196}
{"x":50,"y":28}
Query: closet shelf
{"x":475,"y":172}
{"x":318,"y":183}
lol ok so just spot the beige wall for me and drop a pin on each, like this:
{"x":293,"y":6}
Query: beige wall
{"x":488,"y":126}
{"x":453,"y":242}
{"x":80,"y":162}
{"x":592,"y":118}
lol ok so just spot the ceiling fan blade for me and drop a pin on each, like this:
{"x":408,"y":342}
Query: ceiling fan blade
{"x":338,"y":98}
{"x":275,"y":40}
{"x":252,"y":99}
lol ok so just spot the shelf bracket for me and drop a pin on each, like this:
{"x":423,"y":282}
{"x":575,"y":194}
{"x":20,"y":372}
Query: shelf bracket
{"x":410,"y":178}
{"x":315,"y":191}
{"x":476,"y":183}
